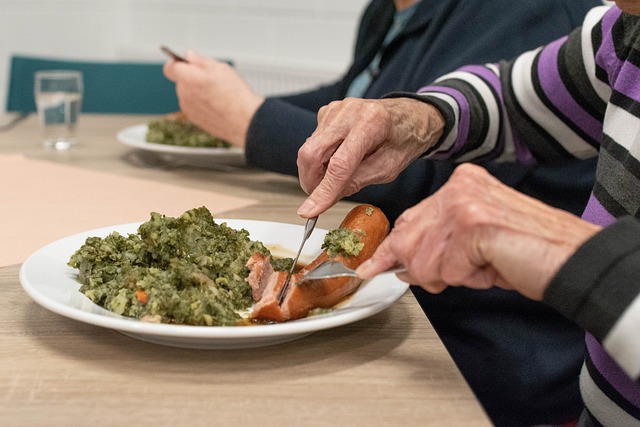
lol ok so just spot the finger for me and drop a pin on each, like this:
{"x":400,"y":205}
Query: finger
{"x":320,"y":200}
{"x":382,"y":260}
{"x":176,"y":70}
{"x":313,"y":158}
{"x":193,"y":56}
{"x":336,"y":111}
{"x":406,"y":277}
{"x":336,"y":181}
{"x":168,"y":69}
{"x":334,"y":126}
{"x":378,"y":167}
{"x":433,"y":287}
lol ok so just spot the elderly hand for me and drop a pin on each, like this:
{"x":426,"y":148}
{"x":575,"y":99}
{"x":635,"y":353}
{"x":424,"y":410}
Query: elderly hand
{"x":477,"y":232}
{"x":214,"y":97}
{"x":360,"y":142}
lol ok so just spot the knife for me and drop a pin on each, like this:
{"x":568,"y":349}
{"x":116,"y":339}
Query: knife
{"x":308,"y":229}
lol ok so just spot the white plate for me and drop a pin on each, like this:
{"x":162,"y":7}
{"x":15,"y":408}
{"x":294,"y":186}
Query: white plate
{"x":135,"y":136}
{"x":47,"y":279}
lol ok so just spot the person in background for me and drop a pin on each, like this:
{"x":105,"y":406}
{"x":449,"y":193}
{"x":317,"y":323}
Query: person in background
{"x":575,"y":97}
{"x":521,"y":358}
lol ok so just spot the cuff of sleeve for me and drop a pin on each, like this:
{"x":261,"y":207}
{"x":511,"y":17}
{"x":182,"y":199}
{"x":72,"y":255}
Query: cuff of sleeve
{"x":442,"y":106}
{"x":272,"y":143}
{"x":601,"y":279}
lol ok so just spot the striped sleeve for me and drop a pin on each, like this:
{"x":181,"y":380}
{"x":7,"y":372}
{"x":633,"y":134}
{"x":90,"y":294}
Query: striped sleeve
{"x":599,"y":290}
{"x":546,"y":105}
{"x":622,"y":342}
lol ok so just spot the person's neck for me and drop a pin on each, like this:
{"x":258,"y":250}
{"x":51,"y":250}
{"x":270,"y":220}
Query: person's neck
{"x":404,"y":4}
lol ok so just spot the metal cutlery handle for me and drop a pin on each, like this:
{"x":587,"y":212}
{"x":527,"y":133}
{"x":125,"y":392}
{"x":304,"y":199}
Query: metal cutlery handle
{"x":171,"y":54}
{"x":397,"y":269}
{"x":308,"y":229}
{"x":329,"y":269}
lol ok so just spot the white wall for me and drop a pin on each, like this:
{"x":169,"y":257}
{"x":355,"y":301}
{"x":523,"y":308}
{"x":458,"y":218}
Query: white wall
{"x":316,"y":36}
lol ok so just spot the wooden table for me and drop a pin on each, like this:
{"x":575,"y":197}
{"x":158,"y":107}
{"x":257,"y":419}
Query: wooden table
{"x":390,"y":369}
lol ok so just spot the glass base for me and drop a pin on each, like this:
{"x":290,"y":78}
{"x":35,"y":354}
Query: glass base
{"x":59,"y":144}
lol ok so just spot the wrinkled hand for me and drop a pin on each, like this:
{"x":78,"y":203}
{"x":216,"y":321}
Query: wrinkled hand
{"x":214,"y":97}
{"x":360,"y":142}
{"x":477,"y":232}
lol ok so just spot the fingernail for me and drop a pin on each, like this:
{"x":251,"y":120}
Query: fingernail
{"x":306,"y":207}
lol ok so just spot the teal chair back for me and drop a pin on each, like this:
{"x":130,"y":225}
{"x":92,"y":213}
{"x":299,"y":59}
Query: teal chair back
{"x":109,"y":87}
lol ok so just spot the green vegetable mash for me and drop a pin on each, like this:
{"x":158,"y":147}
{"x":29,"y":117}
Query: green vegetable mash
{"x":187,"y":270}
{"x":343,"y":241}
{"x":180,"y":131}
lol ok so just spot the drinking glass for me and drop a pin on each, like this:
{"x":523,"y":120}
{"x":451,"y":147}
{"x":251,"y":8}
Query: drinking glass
{"x":58,"y":96}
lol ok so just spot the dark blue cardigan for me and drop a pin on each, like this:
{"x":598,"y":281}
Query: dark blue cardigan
{"x":521,"y":358}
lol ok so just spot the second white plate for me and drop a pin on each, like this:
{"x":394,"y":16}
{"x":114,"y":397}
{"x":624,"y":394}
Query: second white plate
{"x":135,"y":136}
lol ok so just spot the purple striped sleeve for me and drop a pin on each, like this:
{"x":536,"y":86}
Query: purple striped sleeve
{"x":627,"y":84}
{"x":606,"y":55}
{"x":463,"y":121}
{"x":595,"y":213}
{"x":627,"y":387}
{"x":487,"y":75}
{"x":623,"y":75}
{"x":559,"y":96}
{"x":491,"y":79}
{"x":523,"y":153}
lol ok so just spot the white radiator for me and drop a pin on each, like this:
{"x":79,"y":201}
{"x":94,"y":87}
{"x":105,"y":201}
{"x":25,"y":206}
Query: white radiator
{"x":272,"y":80}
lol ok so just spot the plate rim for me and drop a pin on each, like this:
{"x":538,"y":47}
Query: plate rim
{"x":123,"y":136}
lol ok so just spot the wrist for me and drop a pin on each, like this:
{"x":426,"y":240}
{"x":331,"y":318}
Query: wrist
{"x":416,"y":120}
{"x":245,"y":116}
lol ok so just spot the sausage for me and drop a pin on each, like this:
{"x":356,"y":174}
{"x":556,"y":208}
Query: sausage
{"x":266,"y":285}
{"x":372,"y":225}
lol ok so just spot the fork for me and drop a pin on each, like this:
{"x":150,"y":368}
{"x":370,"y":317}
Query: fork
{"x":329,"y":269}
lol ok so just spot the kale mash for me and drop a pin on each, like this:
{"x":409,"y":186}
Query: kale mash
{"x":177,"y":130}
{"x":343,"y":242}
{"x":185,"y":270}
